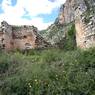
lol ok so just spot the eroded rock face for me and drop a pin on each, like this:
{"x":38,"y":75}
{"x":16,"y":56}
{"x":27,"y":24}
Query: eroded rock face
{"x":82,"y":14}
{"x":20,"y":37}
{"x":66,"y":14}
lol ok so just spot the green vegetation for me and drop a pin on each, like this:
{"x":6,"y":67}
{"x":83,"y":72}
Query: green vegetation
{"x":90,"y":10}
{"x":87,"y":16}
{"x":55,"y":30}
{"x":48,"y":72}
{"x":70,"y":41}
{"x":53,"y":33}
{"x":61,"y":36}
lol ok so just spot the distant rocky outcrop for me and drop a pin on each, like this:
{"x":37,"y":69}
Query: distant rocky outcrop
{"x":20,"y":37}
{"x":81,"y":13}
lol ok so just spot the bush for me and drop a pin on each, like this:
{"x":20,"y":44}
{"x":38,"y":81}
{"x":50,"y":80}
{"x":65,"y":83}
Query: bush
{"x":4,"y":63}
{"x":75,"y":75}
{"x":70,"y":41}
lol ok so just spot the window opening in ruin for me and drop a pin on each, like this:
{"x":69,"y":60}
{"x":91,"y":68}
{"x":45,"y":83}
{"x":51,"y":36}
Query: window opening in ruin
{"x":28,"y":45}
{"x":2,"y":39}
{"x":2,"y":23}
{"x":85,"y":41}
{"x":3,"y":46}
{"x":24,"y":36}
{"x":25,"y":26}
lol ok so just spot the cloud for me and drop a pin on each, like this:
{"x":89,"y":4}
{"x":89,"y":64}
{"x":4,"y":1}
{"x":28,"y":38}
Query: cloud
{"x":14,"y":14}
{"x":36,"y":21}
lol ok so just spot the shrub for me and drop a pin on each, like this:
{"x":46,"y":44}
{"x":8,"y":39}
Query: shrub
{"x":70,"y":41}
{"x":45,"y":76}
{"x":4,"y":63}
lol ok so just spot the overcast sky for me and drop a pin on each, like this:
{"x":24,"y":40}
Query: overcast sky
{"x":40,"y":13}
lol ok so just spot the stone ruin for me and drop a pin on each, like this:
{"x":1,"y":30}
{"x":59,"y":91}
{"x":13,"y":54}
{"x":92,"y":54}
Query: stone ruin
{"x":20,"y":37}
{"x":85,"y":23}
{"x":82,"y":13}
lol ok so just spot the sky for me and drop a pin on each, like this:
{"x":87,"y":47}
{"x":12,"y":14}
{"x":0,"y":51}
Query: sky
{"x":40,"y":13}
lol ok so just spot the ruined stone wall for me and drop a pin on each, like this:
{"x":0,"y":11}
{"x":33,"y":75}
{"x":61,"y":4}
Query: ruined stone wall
{"x":16,"y":37}
{"x":24,"y":38}
{"x":85,"y":25}
{"x":20,"y":37}
{"x":85,"y":34}
{"x":6,"y":38}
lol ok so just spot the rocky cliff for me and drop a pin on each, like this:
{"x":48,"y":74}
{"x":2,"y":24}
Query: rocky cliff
{"x":77,"y":13}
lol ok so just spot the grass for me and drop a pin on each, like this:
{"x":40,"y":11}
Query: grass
{"x":48,"y":72}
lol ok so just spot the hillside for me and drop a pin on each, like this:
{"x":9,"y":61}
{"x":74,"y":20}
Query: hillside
{"x":78,"y":13}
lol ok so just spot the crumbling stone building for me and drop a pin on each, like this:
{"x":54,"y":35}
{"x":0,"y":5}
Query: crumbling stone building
{"x":20,"y":37}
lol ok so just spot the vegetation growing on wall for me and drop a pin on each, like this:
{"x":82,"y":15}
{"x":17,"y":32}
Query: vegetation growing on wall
{"x":70,"y":40}
{"x":90,"y":10}
{"x":55,"y":29}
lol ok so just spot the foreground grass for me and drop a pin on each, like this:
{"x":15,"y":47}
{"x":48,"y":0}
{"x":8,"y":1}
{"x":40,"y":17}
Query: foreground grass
{"x":48,"y":72}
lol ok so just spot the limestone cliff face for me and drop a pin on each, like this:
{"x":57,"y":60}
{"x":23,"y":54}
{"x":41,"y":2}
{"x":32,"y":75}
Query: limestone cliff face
{"x":20,"y":37}
{"x":82,"y":14}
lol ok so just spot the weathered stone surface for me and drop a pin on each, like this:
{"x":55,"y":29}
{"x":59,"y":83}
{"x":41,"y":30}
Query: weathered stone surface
{"x":20,"y":37}
{"x":82,"y":12}
{"x":85,"y":32}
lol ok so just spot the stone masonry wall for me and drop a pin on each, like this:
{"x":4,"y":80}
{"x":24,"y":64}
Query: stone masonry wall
{"x":85,"y":26}
{"x":24,"y":37}
{"x":20,"y":37}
